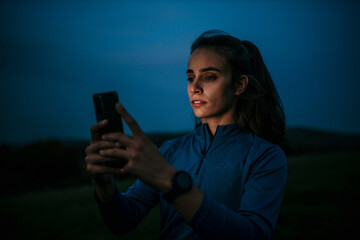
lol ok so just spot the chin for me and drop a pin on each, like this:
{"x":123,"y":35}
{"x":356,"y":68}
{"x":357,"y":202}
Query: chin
{"x":200,"y":115}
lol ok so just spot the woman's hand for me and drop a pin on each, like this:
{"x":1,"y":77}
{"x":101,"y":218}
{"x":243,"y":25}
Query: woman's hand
{"x":103,"y":179}
{"x":96,"y":164}
{"x":144,"y":161}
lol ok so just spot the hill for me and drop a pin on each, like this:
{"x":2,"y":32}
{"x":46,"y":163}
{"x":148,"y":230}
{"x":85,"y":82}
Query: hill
{"x":304,"y":140}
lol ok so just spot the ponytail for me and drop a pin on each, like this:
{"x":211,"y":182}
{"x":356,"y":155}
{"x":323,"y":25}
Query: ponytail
{"x":265,"y":112}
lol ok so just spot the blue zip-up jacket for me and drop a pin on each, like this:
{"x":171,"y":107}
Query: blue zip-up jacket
{"x":242,"y":175}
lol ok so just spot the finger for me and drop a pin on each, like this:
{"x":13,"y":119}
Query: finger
{"x":98,"y":159}
{"x":115,"y":153}
{"x":130,"y":121}
{"x":95,"y":130}
{"x":100,"y":169}
{"x":97,"y":146}
{"x":119,"y":138}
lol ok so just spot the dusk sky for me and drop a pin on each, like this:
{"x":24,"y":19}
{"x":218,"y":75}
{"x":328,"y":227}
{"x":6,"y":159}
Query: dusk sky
{"x":55,"y":54}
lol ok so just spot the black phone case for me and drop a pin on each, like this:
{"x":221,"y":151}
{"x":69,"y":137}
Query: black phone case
{"x":104,"y":104}
{"x":105,"y":109}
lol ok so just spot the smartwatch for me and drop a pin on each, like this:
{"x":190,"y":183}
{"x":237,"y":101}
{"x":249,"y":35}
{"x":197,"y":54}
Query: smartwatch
{"x":181,"y":183}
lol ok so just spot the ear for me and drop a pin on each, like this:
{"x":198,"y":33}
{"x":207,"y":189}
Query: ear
{"x":241,"y":84}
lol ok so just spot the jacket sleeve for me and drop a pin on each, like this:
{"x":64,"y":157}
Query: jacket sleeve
{"x":260,"y":203}
{"x":124,"y":211}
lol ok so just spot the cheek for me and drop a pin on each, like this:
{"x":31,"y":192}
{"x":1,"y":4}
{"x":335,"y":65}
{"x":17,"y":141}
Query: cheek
{"x":188,"y":90}
{"x":219,"y":91}
{"x":226,"y":96}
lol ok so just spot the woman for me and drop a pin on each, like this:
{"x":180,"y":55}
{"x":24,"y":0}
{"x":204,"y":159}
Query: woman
{"x":223,"y":181}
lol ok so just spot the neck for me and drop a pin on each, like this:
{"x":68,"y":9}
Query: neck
{"x":226,"y":118}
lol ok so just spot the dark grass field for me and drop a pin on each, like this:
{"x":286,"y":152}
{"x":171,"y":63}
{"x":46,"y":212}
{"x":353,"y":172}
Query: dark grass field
{"x":321,"y":202}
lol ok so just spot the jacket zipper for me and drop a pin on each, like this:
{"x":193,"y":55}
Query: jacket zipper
{"x":204,"y":152}
{"x":201,"y":162}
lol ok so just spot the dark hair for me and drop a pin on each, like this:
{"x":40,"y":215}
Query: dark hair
{"x":259,"y":108}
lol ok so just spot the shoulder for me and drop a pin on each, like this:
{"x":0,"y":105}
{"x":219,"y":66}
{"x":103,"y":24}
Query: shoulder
{"x":255,"y":146}
{"x":267,"y":153}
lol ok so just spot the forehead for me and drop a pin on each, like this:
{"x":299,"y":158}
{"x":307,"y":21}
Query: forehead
{"x":206,"y":57}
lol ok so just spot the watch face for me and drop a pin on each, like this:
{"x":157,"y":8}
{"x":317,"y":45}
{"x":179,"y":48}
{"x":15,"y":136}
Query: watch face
{"x":184,"y":180}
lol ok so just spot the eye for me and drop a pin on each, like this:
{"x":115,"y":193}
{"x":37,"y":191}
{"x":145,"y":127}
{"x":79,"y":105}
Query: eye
{"x":190,"y":78}
{"x":210,"y":77}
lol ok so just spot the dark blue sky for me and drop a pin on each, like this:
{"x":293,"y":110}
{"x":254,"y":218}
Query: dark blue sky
{"x":56,"y":54}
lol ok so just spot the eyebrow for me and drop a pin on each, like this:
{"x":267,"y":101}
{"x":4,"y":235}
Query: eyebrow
{"x":204,"y":70}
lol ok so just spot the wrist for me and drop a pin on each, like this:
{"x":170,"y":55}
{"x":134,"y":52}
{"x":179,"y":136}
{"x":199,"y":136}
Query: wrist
{"x":103,"y":180}
{"x":104,"y":186}
{"x":165,"y":183}
{"x":181,"y":183}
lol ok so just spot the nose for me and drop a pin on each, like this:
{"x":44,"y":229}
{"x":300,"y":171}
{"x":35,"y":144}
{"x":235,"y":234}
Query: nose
{"x":196,"y":87}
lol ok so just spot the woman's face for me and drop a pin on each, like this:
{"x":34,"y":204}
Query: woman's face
{"x":210,"y":89}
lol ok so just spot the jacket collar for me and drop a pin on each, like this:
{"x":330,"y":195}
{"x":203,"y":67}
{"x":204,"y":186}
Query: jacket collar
{"x":224,"y":132}
{"x":230,"y":130}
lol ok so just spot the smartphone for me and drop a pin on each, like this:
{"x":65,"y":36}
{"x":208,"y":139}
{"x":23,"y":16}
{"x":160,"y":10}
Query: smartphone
{"x":104,"y":104}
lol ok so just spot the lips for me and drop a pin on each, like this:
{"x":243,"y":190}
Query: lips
{"x":197,"y":103}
